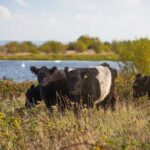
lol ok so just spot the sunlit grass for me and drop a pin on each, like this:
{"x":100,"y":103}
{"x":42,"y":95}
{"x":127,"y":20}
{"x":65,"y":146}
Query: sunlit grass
{"x":59,"y":57}
{"x":126,"y":128}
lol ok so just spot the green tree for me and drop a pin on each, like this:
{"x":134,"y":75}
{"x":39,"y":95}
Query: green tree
{"x":96,"y":45}
{"x":87,"y":40}
{"x":28,"y":46}
{"x":52,"y":47}
{"x":79,"y":46}
{"x":71,"y":46}
{"x":137,"y":51}
{"x":12,"y":47}
{"x":141,"y":51}
{"x":114,"y":46}
{"x":106,"y":47}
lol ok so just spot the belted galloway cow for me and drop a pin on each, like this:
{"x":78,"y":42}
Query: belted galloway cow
{"x":92,"y":86}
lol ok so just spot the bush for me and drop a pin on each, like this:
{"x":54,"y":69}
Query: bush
{"x":96,"y":45}
{"x":87,"y":40}
{"x":137,"y":51}
{"x":28,"y":46}
{"x":10,"y":89}
{"x":52,"y":47}
{"x":12,"y":47}
{"x":141,"y":52}
{"x":80,"y":46}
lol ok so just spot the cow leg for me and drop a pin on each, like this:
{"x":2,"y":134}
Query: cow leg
{"x":77,"y":109}
{"x":109,"y":101}
{"x":48,"y":105}
{"x":113,"y":103}
{"x":149,"y":94}
{"x":61,"y":106}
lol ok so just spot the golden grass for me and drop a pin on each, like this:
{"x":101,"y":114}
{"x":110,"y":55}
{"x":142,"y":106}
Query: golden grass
{"x":41,"y":56}
{"x":128,"y":128}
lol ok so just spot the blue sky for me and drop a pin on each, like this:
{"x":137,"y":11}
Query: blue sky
{"x":66,"y":20}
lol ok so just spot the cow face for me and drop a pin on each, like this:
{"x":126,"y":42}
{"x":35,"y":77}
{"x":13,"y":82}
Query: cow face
{"x":73,"y":81}
{"x":44,"y":75}
{"x":139,"y":86}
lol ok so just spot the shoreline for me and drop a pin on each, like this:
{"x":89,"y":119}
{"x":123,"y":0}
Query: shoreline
{"x":92,"y":57}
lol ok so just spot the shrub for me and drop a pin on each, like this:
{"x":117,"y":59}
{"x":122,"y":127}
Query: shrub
{"x":52,"y":47}
{"x":12,"y":47}
{"x":28,"y":46}
{"x":137,"y":51}
{"x":96,"y":45}
{"x":80,"y":46}
{"x":87,"y":40}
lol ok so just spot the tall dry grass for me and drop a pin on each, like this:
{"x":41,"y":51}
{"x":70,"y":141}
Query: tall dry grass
{"x":28,"y":129}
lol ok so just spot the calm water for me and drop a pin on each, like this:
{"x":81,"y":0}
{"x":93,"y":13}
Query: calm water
{"x":20,"y":70}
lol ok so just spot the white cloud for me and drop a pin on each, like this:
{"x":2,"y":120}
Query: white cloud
{"x":21,"y":2}
{"x":4,"y":12}
{"x":130,"y":3}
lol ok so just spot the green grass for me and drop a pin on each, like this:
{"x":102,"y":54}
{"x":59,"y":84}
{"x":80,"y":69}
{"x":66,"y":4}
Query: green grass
{"x":127,"y":128}
{"x":59,"y":57}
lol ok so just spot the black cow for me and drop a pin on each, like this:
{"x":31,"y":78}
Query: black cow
{"x":92,"y":86}
{"x":141,"y":86}
{"x":53,"y":86}
{"x":33,"y":96}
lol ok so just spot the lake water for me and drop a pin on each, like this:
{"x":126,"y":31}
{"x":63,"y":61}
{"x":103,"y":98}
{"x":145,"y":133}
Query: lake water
{"x":20,"y":70}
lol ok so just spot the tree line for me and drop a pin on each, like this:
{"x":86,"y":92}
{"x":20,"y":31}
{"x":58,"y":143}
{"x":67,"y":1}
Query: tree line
{"x":82,"y":44}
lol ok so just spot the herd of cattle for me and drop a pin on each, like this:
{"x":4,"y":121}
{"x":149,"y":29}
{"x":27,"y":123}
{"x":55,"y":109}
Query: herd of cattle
{"x":93,"y":87}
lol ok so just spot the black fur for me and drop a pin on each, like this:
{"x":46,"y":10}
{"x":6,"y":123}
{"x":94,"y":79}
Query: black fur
{"x":55,"y":93}
{"x":141,"y":86}
{"x":53,"y":86}
{"x":32,"y":96}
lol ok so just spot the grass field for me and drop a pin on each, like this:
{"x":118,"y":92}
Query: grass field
{"x":128,"y":128}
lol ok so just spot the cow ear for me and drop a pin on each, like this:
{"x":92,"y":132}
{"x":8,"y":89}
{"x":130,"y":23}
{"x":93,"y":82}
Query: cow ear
{"x":138,"y":76}
{"x":34,"y":70}
{"x":66,"y":70}
{"x":52,"y":70}
{"x":32,"y":86}
{"x":105,"y":65}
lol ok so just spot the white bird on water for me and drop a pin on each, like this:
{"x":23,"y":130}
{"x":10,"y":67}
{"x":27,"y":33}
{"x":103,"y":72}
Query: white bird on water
{"x":57,"y":61}
{"x":23,"y":65}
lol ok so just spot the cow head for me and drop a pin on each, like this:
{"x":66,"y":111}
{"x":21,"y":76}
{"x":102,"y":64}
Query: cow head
{"x":74,"y":81}
{"x":76,"y":78}
{"x":44,"y":74}
{"x":139,"y":86}
{"x":30,"y":99}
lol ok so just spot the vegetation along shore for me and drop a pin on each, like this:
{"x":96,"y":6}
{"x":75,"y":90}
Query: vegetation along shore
{"x":84,"y":48}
